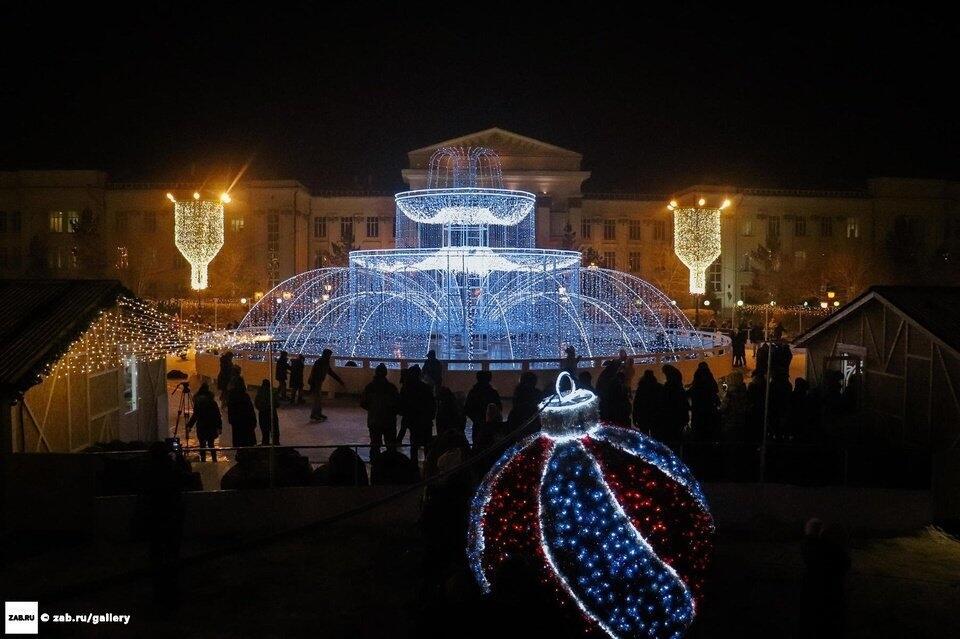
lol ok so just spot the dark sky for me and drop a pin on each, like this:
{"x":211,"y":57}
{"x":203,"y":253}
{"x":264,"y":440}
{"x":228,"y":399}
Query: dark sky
{"x":817,"y":97}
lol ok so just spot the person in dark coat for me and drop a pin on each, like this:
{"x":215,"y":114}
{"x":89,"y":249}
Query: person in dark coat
{"x":492,"y":427}
{"x":569,"y":364}
{"x":778,"y":331}
{"x":704,"y":404}
{"x":480,"y":396}
{"x":675,"y":409}
{"x":267,"y":414}
{"x":225,"y":375}
{"x":585,"y":381}
{"x":208,"y":420}
{"x":449,"y":413}
{"x":381,"y":399}
{"x":242,"y":418}
{"x":432,"y":372}
{"x":606,"y":377}
{"x":418,"y":408}
{"x":738,"y":345}
{"x":647,"y":402}
{"x":318,"y":373}
{"x":282,"y":372}
{"x":296,"y":379}
{"x":735,"y":409}
{"x":393,"y":468}
{"x":526,"y":402}
{"x":618,"y":401}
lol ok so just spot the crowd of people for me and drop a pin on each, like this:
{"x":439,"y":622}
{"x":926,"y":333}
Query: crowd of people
{"x":423,"y":408}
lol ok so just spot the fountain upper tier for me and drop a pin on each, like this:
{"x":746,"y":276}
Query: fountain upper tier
{"x":465,"y":204}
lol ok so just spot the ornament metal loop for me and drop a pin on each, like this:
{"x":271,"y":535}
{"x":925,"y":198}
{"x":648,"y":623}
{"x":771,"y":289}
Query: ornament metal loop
{"x":561,"y":398}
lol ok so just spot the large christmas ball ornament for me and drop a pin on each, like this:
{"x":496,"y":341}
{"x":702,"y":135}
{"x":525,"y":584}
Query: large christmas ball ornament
{"x":618,"y":524}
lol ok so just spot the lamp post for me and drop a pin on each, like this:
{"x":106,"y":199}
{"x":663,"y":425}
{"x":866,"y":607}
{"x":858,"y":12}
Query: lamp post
{"x":766,"y":319}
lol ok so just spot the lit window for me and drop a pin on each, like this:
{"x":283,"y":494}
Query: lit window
{"x":773,"y":227}
{"x":634,"y":261}
{"x":123,"y":258}
{"x":609,"y":229}
{"x":747,"y":227}
{"x":130,"y":398}
{"x":660,"y":231}
{"x":373,"y":227}
{"x":826,"y":226}
{"x":55,"y":259}
{"x":236,"y":224}
{"x":715,"y":277}
{"x":853,"y":227}
{"x":586,"y":230}
{"x":273,"y":248}
{"x":319,"y":227}
{"x":56,"y":221}
{"x":800,"y":226}
{"x":73,"y":219}
{"x":635,"y":232}
{"x":800,"y":257}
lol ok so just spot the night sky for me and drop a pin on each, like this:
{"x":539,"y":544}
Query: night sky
{"x":810,"y":97}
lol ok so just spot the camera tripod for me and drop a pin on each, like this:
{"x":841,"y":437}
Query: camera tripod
{"x":184,"y":409}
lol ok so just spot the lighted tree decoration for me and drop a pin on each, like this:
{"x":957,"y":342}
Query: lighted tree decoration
{"x":198,"y":233}
{"x":617,"y":523}
{"x":696,"y":239}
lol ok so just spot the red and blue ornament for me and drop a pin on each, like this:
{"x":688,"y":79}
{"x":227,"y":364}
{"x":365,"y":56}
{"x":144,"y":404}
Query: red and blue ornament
{"x":617,"y":523}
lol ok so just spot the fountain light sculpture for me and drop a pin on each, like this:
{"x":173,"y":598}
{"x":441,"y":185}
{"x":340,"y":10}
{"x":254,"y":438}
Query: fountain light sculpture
{"x":466,"y":280}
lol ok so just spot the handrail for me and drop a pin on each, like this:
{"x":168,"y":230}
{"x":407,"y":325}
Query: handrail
{"x":364,"y":362}
{"x":189,"y":449}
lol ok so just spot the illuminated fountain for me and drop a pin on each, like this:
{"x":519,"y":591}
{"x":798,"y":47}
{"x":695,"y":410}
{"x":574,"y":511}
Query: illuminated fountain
{"x":466,"y":280}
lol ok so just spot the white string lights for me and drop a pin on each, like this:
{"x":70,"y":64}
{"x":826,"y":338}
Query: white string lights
{"x":131,"y":329}
{"x":198,"y":233}
{"x":696,"y":239}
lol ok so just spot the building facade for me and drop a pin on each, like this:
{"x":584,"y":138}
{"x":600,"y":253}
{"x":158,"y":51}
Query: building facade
{"x":777,"y":245}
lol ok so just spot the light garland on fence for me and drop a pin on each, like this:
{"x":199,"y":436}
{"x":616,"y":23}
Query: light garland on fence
{"x":131,"y":329}
{"x":198,"y":233}
{"x":696,"y":240}
{"x":618,"y":525}
{"x":778,"y":309}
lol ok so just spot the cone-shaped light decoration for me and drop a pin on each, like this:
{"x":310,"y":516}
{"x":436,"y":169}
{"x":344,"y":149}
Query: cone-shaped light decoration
{"x":696,"y":239}
{"x":198,"y":233}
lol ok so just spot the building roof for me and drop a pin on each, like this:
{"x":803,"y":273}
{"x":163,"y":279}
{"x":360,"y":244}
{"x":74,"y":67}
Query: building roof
{"x":39,"y":319}
{"x":505,"y":142}
{"x":933,"y":309}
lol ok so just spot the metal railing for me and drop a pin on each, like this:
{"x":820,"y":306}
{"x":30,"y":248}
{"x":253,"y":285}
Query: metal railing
{"x":796,"y":463}
{"x":721,"y":345}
